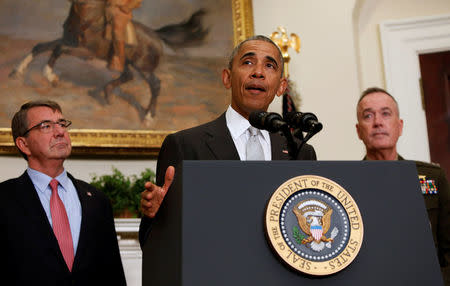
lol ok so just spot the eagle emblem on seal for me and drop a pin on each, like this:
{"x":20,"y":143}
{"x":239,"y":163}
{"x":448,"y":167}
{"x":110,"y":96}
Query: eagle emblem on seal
{"x":314,"y":219}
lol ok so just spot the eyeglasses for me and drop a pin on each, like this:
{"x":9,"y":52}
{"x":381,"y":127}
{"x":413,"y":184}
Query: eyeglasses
{"x":47,"y":126}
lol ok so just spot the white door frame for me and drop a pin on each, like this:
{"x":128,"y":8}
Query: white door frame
{"x":402,"y":42}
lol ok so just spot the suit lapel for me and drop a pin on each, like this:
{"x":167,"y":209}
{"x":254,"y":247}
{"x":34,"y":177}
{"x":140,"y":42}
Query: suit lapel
{"x":219,"y":140}
{"x":38,"y":220}
{"x":221,"y":143}
{"x":83,"y":238}
{"x":29,"y":199}
{"x":279,"y":147}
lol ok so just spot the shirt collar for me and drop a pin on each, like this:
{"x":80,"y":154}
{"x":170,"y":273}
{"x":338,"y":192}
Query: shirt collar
{"x":396,"y":159}
{"x":41,"y":180}
{"x":238,"y":125}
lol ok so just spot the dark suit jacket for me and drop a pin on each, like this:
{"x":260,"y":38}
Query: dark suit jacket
{"x":30,"y":249}
{"x":210,"y":141}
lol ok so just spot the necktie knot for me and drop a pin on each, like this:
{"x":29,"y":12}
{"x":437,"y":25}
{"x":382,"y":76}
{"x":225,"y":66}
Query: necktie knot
{"x":253,"y":131}
{"x":54,"y":185}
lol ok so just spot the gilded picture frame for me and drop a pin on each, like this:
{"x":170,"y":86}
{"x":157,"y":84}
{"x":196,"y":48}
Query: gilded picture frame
{"x":138,"y":143}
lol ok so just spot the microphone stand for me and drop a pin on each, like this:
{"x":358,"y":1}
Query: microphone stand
{"x":292,"y":146}
{"x":299,"y":134}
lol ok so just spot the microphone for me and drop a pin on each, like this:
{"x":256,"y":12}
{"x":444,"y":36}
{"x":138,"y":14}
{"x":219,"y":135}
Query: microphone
{"x":270,"y":121}
{"x":306,"y":122}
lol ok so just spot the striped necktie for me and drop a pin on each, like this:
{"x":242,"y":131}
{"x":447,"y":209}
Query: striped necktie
{"x":61,"y":226}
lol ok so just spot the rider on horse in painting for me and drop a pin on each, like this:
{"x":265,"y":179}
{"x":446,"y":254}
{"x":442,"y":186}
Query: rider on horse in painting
{"x":116,"y":22}
{"x":120,"y":29}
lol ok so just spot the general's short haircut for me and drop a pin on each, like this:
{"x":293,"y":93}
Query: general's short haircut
{"x":19,"y":123}
{"x":374,"y":89}
{"x":256,"y":38}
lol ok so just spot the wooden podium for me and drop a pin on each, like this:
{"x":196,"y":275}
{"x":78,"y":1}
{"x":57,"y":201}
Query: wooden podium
{"x":210,"y":228}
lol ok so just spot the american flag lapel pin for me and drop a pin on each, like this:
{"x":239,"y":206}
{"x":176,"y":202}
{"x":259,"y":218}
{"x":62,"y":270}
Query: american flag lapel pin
{"x":285,"y":151}
{"x":89,"y":194}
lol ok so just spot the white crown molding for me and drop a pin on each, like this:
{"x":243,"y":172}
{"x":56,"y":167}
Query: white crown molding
{"x":402,"y":41}
{"x":417,"y":23}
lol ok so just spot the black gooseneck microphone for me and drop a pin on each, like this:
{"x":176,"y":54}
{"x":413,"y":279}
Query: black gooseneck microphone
{"x":306,"y":122}
{"x":298,"y":121}
{"x":270,"y":121}
{"x":273,"y":122}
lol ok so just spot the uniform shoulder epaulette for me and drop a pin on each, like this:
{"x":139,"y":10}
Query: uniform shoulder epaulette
{"x":426,"y":164}
{"x":436,"y":164}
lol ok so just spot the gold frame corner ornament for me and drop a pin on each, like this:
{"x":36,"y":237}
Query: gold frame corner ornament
{"x":138,"y":143}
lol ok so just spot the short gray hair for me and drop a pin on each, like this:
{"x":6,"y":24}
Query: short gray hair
{"x":375,"y":89}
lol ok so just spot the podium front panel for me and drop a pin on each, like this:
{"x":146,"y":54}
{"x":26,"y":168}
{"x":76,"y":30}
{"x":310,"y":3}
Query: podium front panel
{"x":220,"y":221}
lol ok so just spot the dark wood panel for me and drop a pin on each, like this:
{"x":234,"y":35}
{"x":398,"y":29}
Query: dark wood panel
{"x":435,"y":70}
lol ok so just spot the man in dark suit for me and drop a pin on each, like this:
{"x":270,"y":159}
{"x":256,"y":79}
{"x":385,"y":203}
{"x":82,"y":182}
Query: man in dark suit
{"x":56,"y":230}
{"x":379,"y":127}
{"x":255,"y":77}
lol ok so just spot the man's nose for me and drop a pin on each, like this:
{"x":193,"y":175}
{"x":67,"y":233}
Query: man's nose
{"x":377,"y":120}
{"x":58,"y":130}
{"x":258,"y":71}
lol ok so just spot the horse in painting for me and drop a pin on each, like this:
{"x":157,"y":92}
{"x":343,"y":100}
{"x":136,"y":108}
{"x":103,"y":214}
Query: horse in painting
{"x":83,"y":37}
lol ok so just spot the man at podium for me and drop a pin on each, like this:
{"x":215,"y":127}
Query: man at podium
{"x":255,"y":76}
{"x":379,"y":127}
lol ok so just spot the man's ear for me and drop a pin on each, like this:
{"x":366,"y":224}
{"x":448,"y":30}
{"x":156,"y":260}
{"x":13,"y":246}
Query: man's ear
{"x":357,"y":131}
{"x":226,"y":78}
{"x":22,"y":144}
{"x":401,"y":127}
{"x":282,"y":87}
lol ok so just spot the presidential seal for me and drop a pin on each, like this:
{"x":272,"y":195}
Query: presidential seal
{"x":314,"y":225}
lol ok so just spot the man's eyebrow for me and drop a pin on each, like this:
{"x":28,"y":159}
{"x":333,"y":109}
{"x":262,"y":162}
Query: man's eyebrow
{"x":368,"y":109}
{"x":272,"y":60}
{"x":48,"y":120}
{"x":44,"y":121}
{"x":249,"y":54}
{"x":252,"y":54}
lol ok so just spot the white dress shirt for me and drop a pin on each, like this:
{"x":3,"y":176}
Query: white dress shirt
{"x":238,"y":127}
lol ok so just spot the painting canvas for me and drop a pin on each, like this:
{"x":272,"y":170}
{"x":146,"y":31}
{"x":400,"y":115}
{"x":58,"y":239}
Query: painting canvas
{"x":188,"y":74}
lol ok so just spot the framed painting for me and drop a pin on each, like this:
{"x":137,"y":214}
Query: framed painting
{"x":171,"y":80}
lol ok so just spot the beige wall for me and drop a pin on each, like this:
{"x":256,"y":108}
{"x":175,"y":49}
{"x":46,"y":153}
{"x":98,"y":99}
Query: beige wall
{"x":340,"y":55}
{"x":325,"y":68}
{"x":403,"y":71}
{"x":373,"y":12}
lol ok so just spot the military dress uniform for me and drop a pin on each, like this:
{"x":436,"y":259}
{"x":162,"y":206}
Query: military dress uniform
{"x":436,"y":193}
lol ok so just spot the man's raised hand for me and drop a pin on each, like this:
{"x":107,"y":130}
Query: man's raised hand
{"x":153,"y":195}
